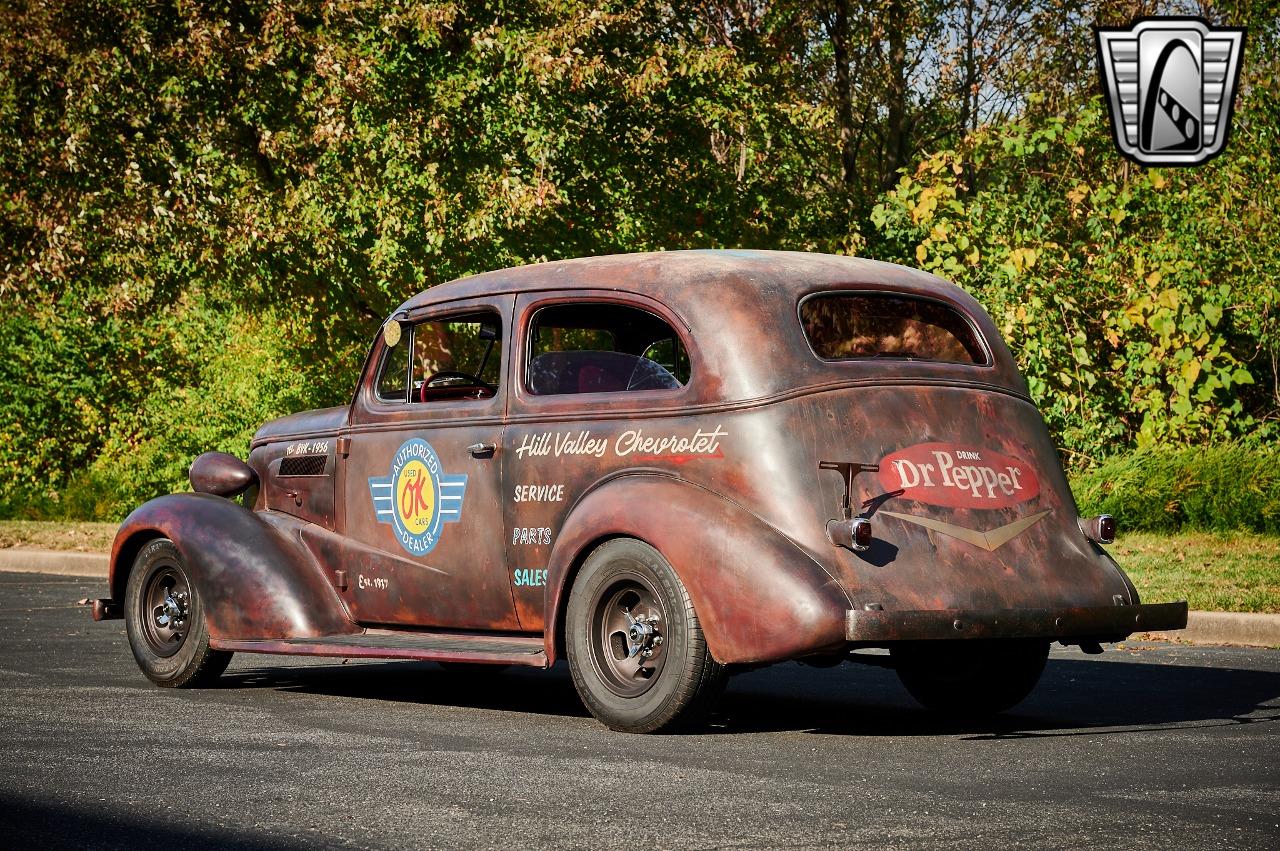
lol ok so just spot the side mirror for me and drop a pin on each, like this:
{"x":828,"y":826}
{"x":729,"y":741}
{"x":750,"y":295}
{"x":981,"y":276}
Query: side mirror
{"x":221,"y":474}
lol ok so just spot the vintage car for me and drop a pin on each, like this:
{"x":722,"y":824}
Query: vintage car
{"x":663,"y":467}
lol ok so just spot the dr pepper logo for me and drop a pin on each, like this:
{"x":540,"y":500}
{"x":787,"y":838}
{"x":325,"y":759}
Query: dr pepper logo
{"x":958,"y":476}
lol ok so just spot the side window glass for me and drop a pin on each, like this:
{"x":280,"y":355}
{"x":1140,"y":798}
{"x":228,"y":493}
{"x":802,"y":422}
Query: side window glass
{"x":602,"y":348}
{"x":457,"y":358}
{"x":671,"y":356}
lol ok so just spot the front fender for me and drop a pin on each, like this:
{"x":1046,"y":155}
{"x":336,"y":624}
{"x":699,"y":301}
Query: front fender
{"x":255,"y":581}
{"x":758,"y":596}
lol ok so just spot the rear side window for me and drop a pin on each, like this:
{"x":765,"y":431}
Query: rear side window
{"x":849,"y":326}
{"x":602,"y":348}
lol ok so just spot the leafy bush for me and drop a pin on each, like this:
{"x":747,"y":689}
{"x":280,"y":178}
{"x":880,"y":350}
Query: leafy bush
{"x":235,"y":372}
{"x":209,"y":207}
{"x":1215,"y":488}
{"x":1137,"y":301}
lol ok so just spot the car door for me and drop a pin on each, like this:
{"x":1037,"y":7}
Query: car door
{"x":421,"y":513}
{"x":591,"y":367}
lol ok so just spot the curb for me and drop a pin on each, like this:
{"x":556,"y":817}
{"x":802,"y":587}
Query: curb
{"x":53,"y":561}
{"x":1251,"y":630}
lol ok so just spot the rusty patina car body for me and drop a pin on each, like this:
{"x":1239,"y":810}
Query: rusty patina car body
{"x":809,"y":506}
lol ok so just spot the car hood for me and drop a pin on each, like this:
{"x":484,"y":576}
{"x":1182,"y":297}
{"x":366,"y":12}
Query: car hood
{"x":317,"y":423}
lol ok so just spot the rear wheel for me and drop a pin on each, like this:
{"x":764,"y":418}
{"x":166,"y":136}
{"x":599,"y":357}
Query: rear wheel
{"x":165,"y":622}
{"x":970,"y":678}
{"x":636,"y":650}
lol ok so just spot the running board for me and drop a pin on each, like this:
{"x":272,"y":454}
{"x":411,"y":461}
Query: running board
{"x":477,"y":648}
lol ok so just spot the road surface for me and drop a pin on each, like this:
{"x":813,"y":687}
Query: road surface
{"x":1147,"y":746}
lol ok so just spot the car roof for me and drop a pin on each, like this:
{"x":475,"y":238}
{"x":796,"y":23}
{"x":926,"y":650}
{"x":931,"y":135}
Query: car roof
{"x":679,"y":278}
{"x":740,"y":309}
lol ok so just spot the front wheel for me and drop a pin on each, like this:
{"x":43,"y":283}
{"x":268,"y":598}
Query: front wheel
{"x":165,"y":622}
{"x":636,"y":650}
{"x":970,"y":678}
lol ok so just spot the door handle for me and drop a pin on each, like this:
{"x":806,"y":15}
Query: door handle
{"x":482,"y":450}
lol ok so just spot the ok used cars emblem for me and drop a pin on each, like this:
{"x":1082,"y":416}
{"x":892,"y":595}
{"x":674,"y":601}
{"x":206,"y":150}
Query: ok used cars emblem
{"x":418,"y":497}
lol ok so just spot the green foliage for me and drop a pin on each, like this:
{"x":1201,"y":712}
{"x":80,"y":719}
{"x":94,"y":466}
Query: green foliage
{"x":1219,"y":488}
{"x":169,"y":170}
{"x":207,"y":208}
{"x":1137,"y":305}
{"x":235,"y":372}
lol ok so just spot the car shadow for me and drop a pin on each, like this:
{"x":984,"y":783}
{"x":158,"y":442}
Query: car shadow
{"x":1076,"y":696}
{"x":528,"y":690}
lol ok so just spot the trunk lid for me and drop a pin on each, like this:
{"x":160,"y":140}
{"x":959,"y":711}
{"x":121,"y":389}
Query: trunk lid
{"x":970,"y":508}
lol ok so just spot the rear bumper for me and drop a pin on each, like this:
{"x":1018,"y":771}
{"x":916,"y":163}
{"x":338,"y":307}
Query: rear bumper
{"x":1095,"y":623}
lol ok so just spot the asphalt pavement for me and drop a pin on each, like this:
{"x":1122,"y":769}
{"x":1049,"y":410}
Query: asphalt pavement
{"x":1146,"y":746}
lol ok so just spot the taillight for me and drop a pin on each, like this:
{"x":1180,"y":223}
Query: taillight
{"x":853,"y":534}
{"x":861,"y":534}
{"x":1100,"y":529}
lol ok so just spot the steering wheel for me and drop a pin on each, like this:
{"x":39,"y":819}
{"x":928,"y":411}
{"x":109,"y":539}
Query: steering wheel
{"x":473,"y":380}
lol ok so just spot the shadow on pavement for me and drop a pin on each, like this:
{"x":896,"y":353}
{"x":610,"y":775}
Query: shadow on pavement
{"x":48,"y":825}
{"x":1075,"y":696}
{"x":529,"y":690}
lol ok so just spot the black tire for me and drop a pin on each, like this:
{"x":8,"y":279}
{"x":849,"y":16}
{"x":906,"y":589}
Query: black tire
{"x":165,"y":622}
{"x":626,"y":578}
{"x":971,"y":678}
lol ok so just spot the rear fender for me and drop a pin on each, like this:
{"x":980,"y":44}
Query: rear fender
{"x":758,"y":596}
{"x":256,"y":581}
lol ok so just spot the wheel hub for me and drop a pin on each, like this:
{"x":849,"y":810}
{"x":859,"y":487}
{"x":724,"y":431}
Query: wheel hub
{"x":628,"y":645}
{"x":172,"y":612}
{"x":642,"y":635}
{"x":165,"y":610}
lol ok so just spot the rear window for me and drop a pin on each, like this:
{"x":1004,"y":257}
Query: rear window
{"x":849,"y":326}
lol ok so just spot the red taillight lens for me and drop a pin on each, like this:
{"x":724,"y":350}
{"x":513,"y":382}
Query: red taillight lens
{"x":853,"y":534}
{"x":1100,"y":529}
{"x":861,"y":534}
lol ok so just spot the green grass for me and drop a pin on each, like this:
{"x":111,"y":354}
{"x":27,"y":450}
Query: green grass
{"x":1213,"y":571}
{"x":57,"y":535}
